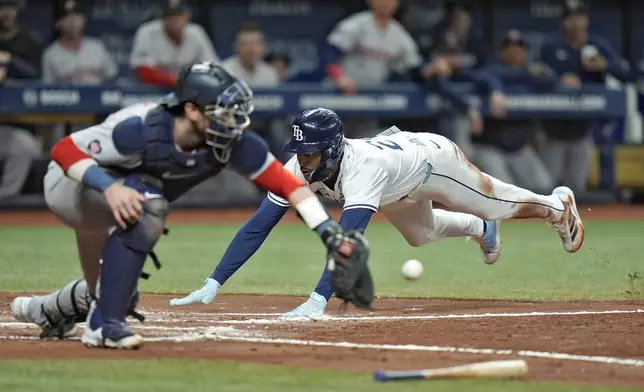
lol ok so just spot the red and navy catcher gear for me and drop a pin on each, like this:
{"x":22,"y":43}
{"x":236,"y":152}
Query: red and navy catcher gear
{"x":225,"y":100}
{"x":319,"y":130}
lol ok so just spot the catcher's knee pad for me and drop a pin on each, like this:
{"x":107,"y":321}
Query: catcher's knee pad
{"x":143,"y":236}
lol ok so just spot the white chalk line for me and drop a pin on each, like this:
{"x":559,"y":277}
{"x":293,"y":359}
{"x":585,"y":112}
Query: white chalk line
{"x":211,"y":318}
{"x":196,"y":334}
{"x":214,"y":318}
{"x":463,"y":350}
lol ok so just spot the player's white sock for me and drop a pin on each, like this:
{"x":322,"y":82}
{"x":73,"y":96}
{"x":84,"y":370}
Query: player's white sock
{"x":558,"y":207}
{"x":456,"y":224}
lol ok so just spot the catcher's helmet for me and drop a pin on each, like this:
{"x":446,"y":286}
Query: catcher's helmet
{"x":224,"y":99}
{"x":319,"y":130}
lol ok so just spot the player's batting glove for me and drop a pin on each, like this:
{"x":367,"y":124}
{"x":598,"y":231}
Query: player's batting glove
{"x":204,"y":295}
{"x":347,"y":255}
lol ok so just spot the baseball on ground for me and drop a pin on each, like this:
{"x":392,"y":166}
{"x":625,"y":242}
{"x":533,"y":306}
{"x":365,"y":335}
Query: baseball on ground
{"x":412,"y":269}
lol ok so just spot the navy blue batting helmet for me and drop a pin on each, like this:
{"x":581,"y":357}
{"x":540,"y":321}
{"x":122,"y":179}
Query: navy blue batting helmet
{"x":319,"y":130}
{"x":225,"y":100}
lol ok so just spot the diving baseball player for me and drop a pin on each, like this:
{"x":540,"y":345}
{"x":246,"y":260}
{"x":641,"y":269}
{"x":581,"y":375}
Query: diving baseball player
{"x":113,"y":183}
{"x":400,"y":173}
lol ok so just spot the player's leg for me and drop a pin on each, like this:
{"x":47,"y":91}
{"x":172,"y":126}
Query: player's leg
{"x":17,"y":151}
{"x":58,"y":312}
{"x":554,"y":157}
{"x":579,"y":154}
{"x":455,"y":182}
{"x":494,"y":162}
{"x":124,"y":255}
{"x":529,"y":170}
{"x":84,"y":210}
{"x":419,"y":223}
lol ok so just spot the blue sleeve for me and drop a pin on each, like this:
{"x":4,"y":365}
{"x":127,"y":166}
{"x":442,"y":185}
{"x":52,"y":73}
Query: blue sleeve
{"x":483,"y":80}
{"x":508,"y":76}
{"x":22,"y":68}
{"x":548,"y":57}
{"x":354,"y":219}
{"x":332,"y":54}
{"x":250,"y":154}
{"x":128,"y":136}
{"x":544,"y":82}
{"x":248,"y":239}
{"x":445,"y":88}
{"x":613,"y":61}
{"x":97,"y":178}
{"x":522,"y":77}
{"x":478,"y":50}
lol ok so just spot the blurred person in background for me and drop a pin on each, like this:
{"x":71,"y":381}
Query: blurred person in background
{"x":457,"y":25}
{"x":366,"y":50}
{"x":74,"y":58}
{"x":163,"y":46}
{"x":20,"y":55}
{"x":503,"y":150}
{"x":281,"y":62}
{"x":248,"y":65}
{"x":456,"y":56}
{"x":248,"y":61}
{"x":577,"y":58}
{"x":281,"y":126}
{"x":20,"y":51}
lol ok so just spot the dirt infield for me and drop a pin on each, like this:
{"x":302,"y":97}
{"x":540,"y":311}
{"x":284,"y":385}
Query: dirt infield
{"x":580,"y":342}
{"x":575,"y":342}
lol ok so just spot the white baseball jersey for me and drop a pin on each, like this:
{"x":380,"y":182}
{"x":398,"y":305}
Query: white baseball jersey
{"x":152,"y":47}
{"x":373,"y":172}
{"x":265,"y":75}
{"x":91,"y":64}
{"x":96,"y":141}
{"x":370,"y":54}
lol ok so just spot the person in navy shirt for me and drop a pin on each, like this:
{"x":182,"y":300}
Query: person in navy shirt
{"x":456,"y":57}
{"x":503,"y":150}
{"x":578,"y":58}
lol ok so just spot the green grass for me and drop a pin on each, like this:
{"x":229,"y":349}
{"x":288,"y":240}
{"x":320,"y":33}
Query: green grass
{"x":533,"y":265}
{"x":195,"y":376}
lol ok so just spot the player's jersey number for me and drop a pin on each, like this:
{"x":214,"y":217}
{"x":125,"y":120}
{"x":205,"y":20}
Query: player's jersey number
{"x":382,"y":144}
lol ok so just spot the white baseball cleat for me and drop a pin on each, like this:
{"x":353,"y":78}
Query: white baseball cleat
{"x":99,"y":334}
{"x":94,"y":338}
{"x":312,"y":309}
{"x":20,"y":311}
{"x":569,"y":227}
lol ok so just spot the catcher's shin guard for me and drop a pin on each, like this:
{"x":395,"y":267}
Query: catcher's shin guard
{"x":56,"y":313}
{"x":123,"y":258}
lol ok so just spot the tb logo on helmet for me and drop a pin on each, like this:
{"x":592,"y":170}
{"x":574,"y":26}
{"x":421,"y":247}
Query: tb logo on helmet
{"x":297,"y":133}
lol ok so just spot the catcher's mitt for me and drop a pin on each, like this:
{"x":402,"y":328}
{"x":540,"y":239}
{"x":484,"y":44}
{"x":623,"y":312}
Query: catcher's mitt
{"x":348,"y":254}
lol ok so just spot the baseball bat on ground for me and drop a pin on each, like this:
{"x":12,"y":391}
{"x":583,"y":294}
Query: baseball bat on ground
{"x":492,"y":369}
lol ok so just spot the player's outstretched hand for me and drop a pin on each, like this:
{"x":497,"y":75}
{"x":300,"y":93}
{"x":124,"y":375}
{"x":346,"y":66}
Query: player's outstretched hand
{"x":126,"y":204}
{"x":204,"y":295}
{"x":348,"y":256}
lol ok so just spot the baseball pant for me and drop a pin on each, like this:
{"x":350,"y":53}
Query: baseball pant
{"x":569,"y":161}
{"x":523,"y":168}
{"x":457,"y":128}
{"x":86,"y":211}
{"x":456,"y":183}
{"x":18,"y":149}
